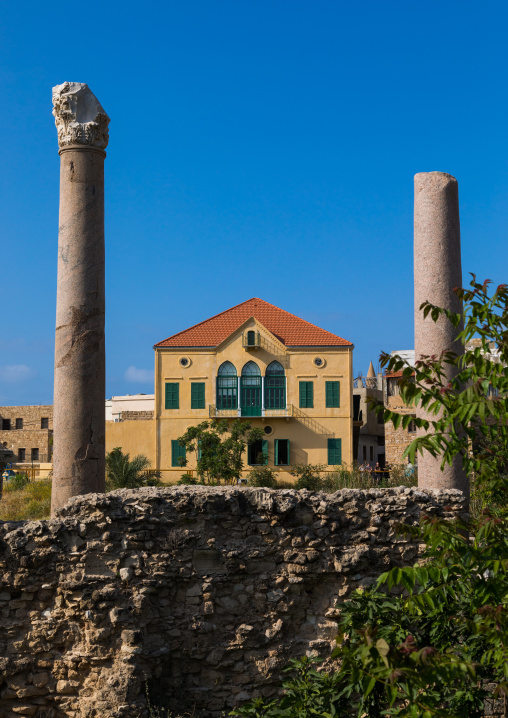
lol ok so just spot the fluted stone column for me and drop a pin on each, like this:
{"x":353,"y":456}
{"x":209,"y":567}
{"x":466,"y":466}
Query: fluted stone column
{"x":437,"y":271}
{"x":78,"y":420}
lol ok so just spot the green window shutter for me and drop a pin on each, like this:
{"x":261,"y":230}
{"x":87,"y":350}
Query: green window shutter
{"x":332,"y":391}
{"x":172,"y":396}
{"x":199,"y":450}
{"x":334,"y":452}
{"x":177,"y":452}
{"x":276,"y":452}
{"x":289,"y":452}
{"x":265,"y":451}
{"x":306,"y":394}
{"x":198,"y":395}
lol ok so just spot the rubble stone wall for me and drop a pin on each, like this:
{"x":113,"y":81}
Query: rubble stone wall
{"x":199,"y":594}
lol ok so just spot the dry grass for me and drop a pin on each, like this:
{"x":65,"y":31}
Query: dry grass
{"x":25,"y":503}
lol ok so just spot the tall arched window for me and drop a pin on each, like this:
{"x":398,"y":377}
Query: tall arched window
{"x":250,"y":390}
{"x":227,"y":386}
{"x":275,"y":386}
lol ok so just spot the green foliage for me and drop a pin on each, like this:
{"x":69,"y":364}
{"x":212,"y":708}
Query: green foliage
{"x":423,"y":641}
{"x":122,"y":472}
{"x":263,"y":476}
{"x":307,"y":693}
{"x":220,"y":446}
{"x":188,"y":480}
{"x":31,"y":501}
{"x":307,"y":476}
{"x":18,"y":482}
{"x":353,"y":478}
{"x":465,"y":395}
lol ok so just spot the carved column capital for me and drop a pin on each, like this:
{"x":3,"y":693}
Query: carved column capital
{"x":79,"y":117}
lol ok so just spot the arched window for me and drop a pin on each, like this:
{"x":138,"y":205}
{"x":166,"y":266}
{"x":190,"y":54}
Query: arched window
{"x":227,"y":369}
{"x":251,"y":338}
{"x":227,"y":386}
{"x":250,"y":390}
{"x":251,"y":369}
{"x":275,"y":386}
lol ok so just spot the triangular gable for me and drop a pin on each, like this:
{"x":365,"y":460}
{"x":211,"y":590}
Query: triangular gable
{"x":260,"y":328}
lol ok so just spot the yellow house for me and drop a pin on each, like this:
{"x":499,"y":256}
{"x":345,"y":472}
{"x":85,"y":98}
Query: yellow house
{"x":261,"y":363}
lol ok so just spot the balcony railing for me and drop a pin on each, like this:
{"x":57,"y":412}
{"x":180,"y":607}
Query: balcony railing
{"x":215,"y":413}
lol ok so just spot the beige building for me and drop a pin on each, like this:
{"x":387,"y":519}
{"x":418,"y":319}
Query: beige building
{"x":261,"y":363}
{"x":130,"y":424}
{"x":28,"y":432}
{"x":129,"y":406}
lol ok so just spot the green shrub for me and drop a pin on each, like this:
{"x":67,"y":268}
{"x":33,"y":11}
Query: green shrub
{"x":263,"y":476}
{"x":307,"y":476}
{"x":18,"y":482}
{"x":189,"y":480}
{"x":308,"y":693}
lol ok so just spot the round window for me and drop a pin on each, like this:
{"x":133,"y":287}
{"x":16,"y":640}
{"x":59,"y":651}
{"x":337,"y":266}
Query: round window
{"x":185,"y":361}
{"x":319,"y":361}
{"x":268,"y":430}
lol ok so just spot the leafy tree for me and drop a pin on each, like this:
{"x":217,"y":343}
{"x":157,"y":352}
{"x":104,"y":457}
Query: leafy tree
{"x":219,"y":446}
{"x":122,"y":472}
{"x":423,"y":642}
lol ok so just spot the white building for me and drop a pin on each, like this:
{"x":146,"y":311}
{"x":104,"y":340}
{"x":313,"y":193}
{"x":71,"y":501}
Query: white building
{"x":130,"y":402}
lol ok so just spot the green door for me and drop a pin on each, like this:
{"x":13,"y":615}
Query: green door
{"x":250,"y":390}
{"x":250,"y":395}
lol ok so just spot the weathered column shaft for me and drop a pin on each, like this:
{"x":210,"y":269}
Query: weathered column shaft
{"x":437,"y":271}
{"x":79,"y":392}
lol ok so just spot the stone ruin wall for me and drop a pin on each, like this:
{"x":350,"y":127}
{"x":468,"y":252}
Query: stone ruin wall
{"x":200,"y":594}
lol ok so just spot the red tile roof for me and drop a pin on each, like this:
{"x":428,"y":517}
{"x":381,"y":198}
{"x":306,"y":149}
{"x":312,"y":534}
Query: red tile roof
{"x":289,"y":329}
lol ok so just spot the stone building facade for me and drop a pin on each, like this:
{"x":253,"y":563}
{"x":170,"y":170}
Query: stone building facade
{"x":28,"y":432}
{"x":396,"y":440}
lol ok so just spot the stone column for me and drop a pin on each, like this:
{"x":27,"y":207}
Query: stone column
{"x":79,"y":398}
{"x":437,"y":271}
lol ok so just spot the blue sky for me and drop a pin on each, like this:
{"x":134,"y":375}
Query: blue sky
{"x":257,"y":148}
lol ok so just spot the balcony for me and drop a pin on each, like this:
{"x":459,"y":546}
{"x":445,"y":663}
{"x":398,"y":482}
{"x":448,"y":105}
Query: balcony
{"x":214,"y":413}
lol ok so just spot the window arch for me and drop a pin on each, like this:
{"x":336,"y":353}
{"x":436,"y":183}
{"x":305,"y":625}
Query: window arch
{"x":251,"y":369}
{"x":227,"y":386}
{"x":227,"y":369}
{"x":275,"y":386}
{"x":275,"y":368}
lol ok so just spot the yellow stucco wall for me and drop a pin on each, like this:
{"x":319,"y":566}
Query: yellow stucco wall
{"x":308,"y":435}
{"x":133,"y":437}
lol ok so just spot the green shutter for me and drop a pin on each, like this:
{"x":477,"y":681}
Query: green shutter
{"x":265,"y":451}
{"x":276,"y":452}
{"x":334,"y":452}
{"x":289,"y":452}
{"x":198,"y":395}
{"x":306,"y":394}
{"x":332,"y":391}
{"x":177,"y":452}
{"x":172,"y":396}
